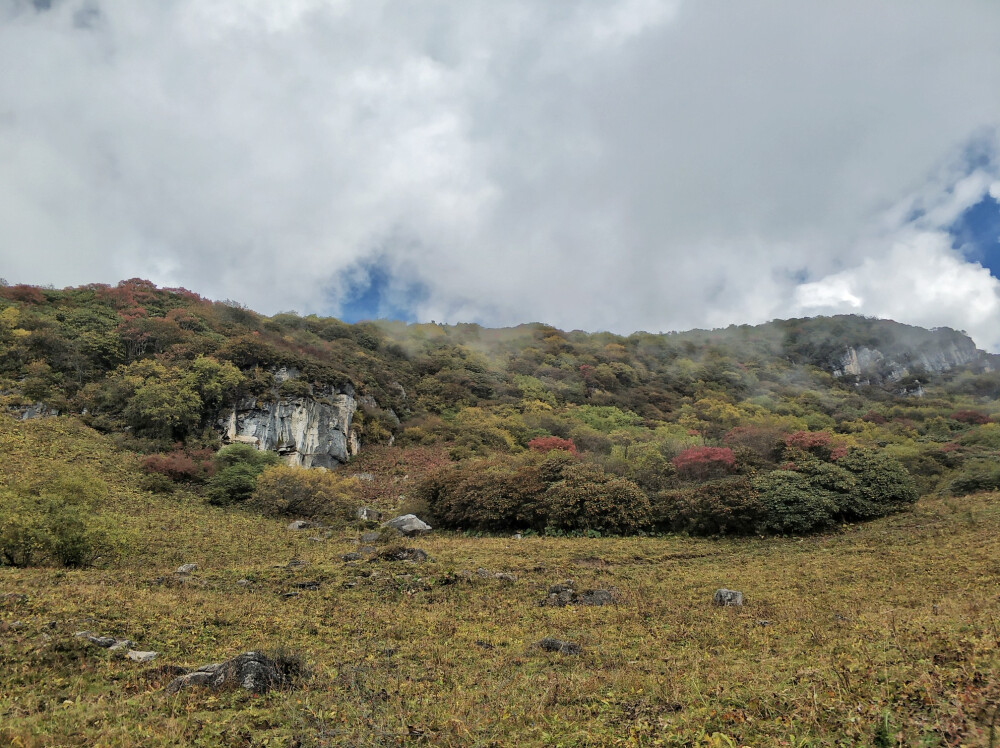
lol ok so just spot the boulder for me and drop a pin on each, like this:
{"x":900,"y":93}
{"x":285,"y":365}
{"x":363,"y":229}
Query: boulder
{"x":252,"y":671}
{"x":107,"y":642}
{"x":140,"y":656}
{"x":728,"y":598}
{"x":367,"y":514}
{"x":186,"y":568}
{"x":369,"y":537}
{"x":403,"y":554}
{"x":303,"y":524}
{"x":550,"y":644}
{"x":561,"y":595}
{"x":408,"y":524}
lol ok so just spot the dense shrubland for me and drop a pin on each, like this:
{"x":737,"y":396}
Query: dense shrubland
{"x":741,"y":430}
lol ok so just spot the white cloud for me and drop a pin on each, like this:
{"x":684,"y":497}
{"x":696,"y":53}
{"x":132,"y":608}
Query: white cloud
{"x":640,"y":164}
{"x":920,"y":281}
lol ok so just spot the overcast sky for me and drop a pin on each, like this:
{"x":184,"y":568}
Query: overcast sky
{"x":641,"y":164}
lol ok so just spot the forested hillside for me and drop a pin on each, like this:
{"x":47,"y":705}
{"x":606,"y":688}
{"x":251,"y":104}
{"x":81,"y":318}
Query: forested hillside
{"x":789,"y":426}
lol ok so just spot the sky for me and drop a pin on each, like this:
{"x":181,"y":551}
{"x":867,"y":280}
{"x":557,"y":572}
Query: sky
{"x":601,"y":165}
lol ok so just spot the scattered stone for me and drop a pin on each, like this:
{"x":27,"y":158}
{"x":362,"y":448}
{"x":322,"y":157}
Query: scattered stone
{"x":403,"y":554}
{"x":728,"y":598}
{"x":107,"y":642}
{"x":550,"y":644}
{"x":367,"y":477}
{"x":296,"y":563}
{"x":310,"y":585}
{"x":484,"y":645}
{"x":367,"y":550}
{"x":252,"y":671}
{"x":408,"y":524}
{"x":244,"y":583}
{"x":139,"y":656}
{"x":303,"y":524}
{"x":369,"y":537}
{"x":763,"y":622}
{"x":351,"y":557}
{"x":518,"y":536}
{"x":561,"y":595}
{"x":317,"y":539}
{"x":367,"y":514}
{"x":186,"y":568}
{"x":292,"y":593}
{"x":498,"y":575}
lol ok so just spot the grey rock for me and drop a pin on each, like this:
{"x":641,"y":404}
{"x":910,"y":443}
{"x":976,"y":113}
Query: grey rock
{"x":498,"y":575}
{"x":561,"y":595}
{"x":106,"y":642}
{"x":244,"y":583}
{"x":186,"y":568}
{"x":139,"y":656}
{"x":303,"y":524}
{"x":317,"y":539}
{"x":307,"y":431}
{"x":367,"y":514}
{"x":252,"y":671}
{"x":403,"y":554}
{"x":408,"y":524}
{"x":351,"y":557}
{"x":728,"y":598}
{"x":310,"y":585}
{"x":296,"y":563}
{"x":549,"y":644}
{"x":366,"y":549}
{"x":364,"y":477}
{"x":369,"y":537}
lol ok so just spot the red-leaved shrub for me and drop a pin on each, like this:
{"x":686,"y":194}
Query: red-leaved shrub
{"x":548,"y":443}
{"x":181,"y":464}
{"x":703,"y":463}
{"x":970,"y":416}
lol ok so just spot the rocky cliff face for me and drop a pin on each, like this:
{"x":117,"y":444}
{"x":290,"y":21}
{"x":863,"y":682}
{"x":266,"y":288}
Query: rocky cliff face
{"x":308,"y":431}
{"x":874,"y":366}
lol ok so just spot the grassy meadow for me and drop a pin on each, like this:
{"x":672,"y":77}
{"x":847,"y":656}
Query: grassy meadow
{"x":879,"y":634}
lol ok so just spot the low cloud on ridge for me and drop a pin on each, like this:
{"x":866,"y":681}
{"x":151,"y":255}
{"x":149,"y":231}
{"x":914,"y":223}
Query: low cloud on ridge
{"x":627,"y":165}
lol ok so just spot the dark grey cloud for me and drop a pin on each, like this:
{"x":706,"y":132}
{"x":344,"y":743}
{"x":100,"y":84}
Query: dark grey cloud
{"x":643,"y":164}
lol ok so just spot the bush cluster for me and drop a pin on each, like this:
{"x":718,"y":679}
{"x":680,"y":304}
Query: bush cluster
{"x":812,"y":495}
{"x":53,"y":522}
{"x":283,"y":491}
{"x":550,"y":493}
{"x":236,"y":469}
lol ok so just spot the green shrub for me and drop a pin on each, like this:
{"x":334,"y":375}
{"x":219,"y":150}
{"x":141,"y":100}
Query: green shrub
{"x":729,"y":506}
{"x":791,"y":504}
{"x":587,"y":498}
{"x":883,"y":485}
{"x":237,"y":468}
{"x":43,"y":530}
{"x":975,"y":476}
{"x":283,"y":491}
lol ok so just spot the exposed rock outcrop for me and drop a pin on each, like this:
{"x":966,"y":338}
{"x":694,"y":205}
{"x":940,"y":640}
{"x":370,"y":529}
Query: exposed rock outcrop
{"x":308,"y":431}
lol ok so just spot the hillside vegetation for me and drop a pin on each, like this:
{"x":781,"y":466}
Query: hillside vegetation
{"x":590,"y":487}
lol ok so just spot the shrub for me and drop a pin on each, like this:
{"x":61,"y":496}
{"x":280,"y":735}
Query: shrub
{"x":237,"y":468}
{"x":883,"y":485}
{"x":586,"y":498}
{"x":816,"y":443}
{"x":970,"y":416}
{"x":975,"y":476}
{"x":790,"y":504}
{"x":548,"y":443}
{"x":704,"y":463}
{"x":729,"y":506}
{"x":282,"y":491}
{"x":181,"y":464}
{"x":36,"y":530}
